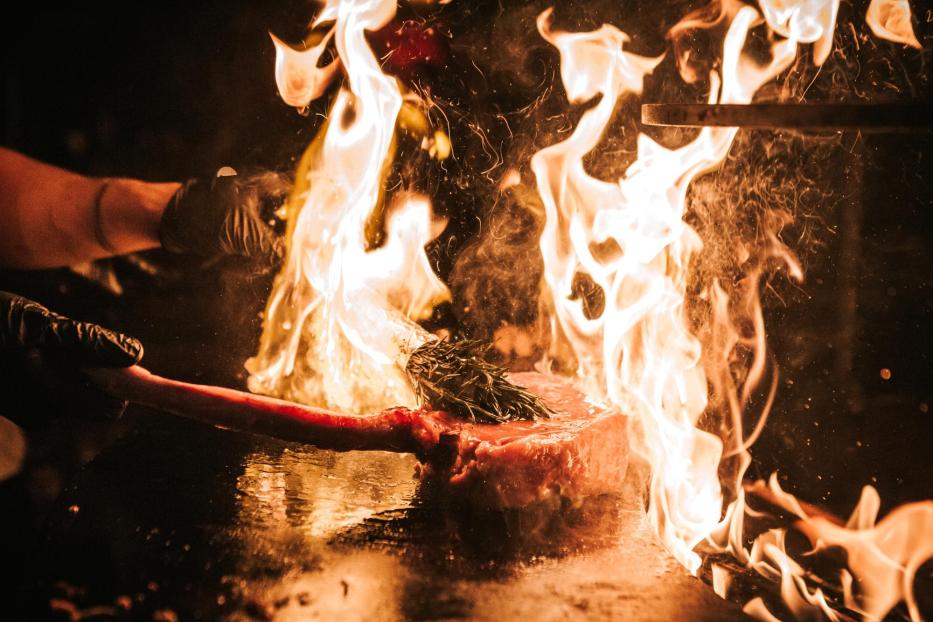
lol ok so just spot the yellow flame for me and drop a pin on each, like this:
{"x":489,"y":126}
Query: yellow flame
{"x":639,"y":352}
{"x":297,"y":75}
{"x":341,"y":314}
{"x":804,"y":21}
{"x":882,"y":558}
{"x":890,"y":19}
{"x":757,"y":609}
{"x":769,"y":558}
{"x":722,"y":581}
{"x":629,"y":238}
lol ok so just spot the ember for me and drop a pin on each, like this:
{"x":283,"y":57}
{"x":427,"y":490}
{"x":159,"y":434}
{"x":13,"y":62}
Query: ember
{"x":342,"y":321}
{"x":343,"y":311}
{"x":573,"y":323}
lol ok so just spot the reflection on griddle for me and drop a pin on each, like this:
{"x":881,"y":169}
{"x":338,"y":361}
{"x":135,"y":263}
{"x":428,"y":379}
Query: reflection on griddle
{"x":318,"y":493}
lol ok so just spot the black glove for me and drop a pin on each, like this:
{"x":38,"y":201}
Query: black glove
{"x":41,"y":356}
{"x":223,"y":216}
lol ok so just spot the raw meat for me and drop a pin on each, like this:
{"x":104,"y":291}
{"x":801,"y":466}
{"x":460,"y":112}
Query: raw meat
{"x":582,"y":450}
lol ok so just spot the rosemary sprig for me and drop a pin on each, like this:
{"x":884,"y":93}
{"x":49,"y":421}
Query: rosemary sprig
{"x":455,"y":377}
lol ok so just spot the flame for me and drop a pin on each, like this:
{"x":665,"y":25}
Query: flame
{"x":757,"y":609}
{"x":297,"y":75}
{"x":804,"y":21}
{"x":639,"y":352}
{"x":769,"y":558}
{"x":342,"y":313}
{"x":890,"y":19}
{"x":884,"y":557}
{"x":629,"y":238}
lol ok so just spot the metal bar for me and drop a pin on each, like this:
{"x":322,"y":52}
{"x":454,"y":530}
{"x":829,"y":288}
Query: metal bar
{"x":872,"y":117}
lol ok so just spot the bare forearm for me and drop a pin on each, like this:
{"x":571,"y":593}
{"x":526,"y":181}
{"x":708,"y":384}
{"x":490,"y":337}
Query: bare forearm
{"x":50,"y":216}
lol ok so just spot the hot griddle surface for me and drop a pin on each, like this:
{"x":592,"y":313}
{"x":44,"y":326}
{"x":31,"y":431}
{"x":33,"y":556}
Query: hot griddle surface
{"x":216,"y":525}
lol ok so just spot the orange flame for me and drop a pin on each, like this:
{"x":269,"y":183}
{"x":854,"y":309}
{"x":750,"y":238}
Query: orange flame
{"x":639,"y":352}
{"x":890,"y":19}
{"x":297,"y":75}
{"x":882,"y":558}
{"x":629,"y":238}
{"x":804,"y":21}
{"x":341,"y":315}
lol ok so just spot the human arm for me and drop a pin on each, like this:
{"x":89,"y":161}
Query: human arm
{"x":52,"y":217}
{"x":42,"y":355}
{"x":50,"y":221}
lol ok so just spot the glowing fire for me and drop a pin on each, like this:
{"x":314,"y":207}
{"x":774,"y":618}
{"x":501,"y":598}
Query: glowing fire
{"x":804,"y":21}
{"x":890,"y":19}
{"x":882,"y":558}
{"x":640,"y":352}
{"x":628,"y":237}
{"x":297,"y":74}
{"x":342,"y":312}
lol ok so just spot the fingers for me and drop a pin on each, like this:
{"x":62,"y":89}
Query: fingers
{"x":21,"y":320}
{"x":275,"y":187}
{"x":92,"y":344}
{"x":27,"y":324}
{"x":248,"y":234}
{"x":255,"y":239}
{"x":266,"y":245}
{"x":223,"y":216}
{"x":41,"y":355}
{"x":271,"y":185}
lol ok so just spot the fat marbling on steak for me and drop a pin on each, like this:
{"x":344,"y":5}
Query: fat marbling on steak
{"x":581,"y":450}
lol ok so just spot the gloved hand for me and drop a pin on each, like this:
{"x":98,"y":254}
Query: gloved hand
{"x":222,"y":215}
{"x":41,"y":356}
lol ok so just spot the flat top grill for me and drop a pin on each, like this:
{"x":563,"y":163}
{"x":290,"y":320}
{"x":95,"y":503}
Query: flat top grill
{"x":213,"y":524}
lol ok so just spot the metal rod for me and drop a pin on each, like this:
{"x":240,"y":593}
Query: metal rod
{"x":814,"y":117}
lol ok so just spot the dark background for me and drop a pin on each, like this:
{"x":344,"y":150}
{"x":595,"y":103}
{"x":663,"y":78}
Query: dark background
{"x":157,"y":91}
{"x":165,"y":92}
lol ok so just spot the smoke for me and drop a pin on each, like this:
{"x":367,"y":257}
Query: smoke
{"x":499,"y":99}
{"x":496,"y":280}
{"x":764,"y":188}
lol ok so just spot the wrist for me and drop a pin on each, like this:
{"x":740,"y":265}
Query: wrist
{"x":129,"y":213}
